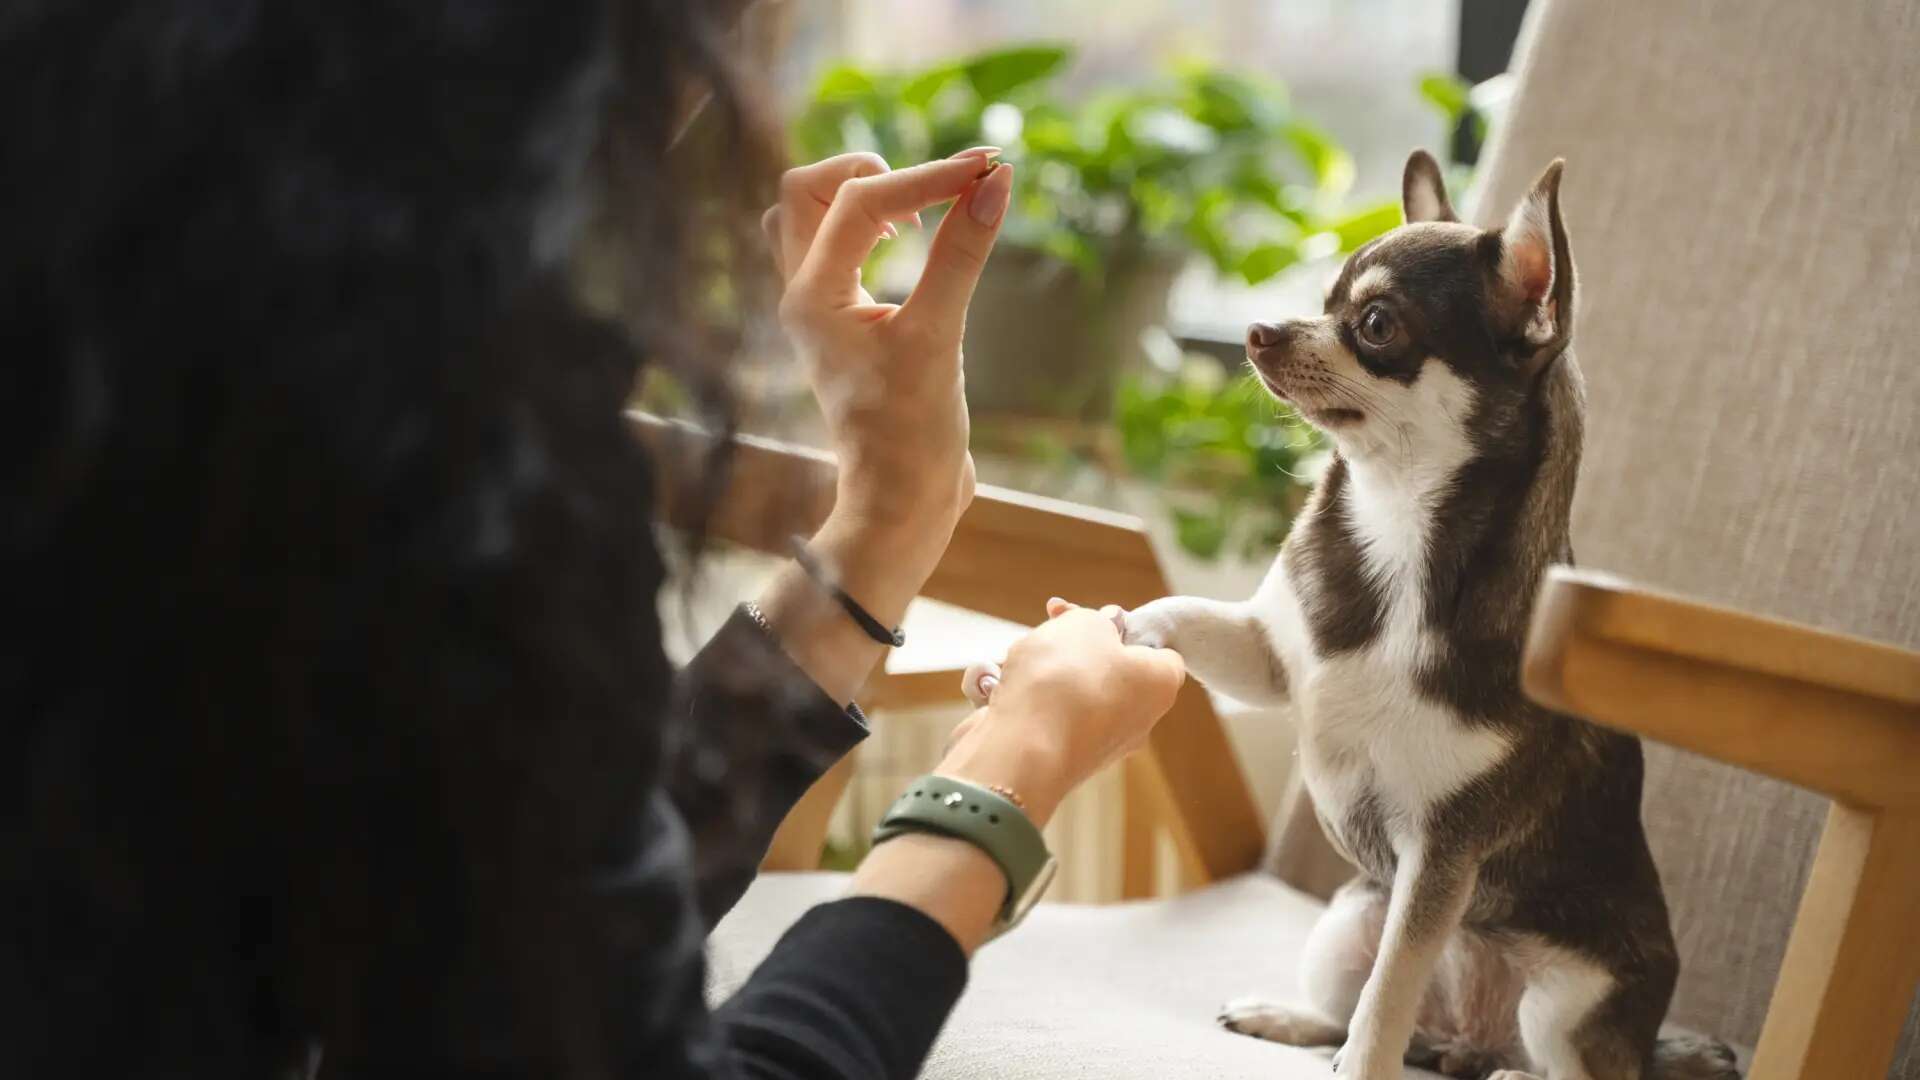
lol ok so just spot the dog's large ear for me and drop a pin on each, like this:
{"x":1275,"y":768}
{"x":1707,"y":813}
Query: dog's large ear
{"x":1423,"y":192}
{"x":1536,"y":265}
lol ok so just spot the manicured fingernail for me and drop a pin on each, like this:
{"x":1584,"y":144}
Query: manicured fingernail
{"x":917,"y":223}
{"x":977,"y":151}
{"x":987,"y":683}
{"x":990,"y":195}
{"x":889,"y":231}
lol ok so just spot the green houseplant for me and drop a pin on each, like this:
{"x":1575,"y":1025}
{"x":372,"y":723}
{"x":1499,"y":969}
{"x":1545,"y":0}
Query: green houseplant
{"x":1113,"y":195}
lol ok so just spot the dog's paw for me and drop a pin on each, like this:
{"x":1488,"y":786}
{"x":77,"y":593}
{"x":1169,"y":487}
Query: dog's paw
{"x":1151,"y":625}
{"x":1692,"y":1057}
{"x":1277,"y":1021}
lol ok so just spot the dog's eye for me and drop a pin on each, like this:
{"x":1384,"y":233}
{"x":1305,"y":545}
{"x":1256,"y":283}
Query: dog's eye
{"x":1377,"y":327}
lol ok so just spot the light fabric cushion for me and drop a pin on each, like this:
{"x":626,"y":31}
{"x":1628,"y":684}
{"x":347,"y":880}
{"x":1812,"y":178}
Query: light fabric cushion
{"x":1115,"y":992}
{"x":1741,"y":199}
{"x":1109,"y":992}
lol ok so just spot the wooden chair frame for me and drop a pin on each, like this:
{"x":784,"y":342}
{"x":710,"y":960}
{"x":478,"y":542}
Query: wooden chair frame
{"x":1835,"y":714}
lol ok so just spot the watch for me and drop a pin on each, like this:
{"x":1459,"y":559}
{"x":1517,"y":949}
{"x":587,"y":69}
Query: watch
{"x":987,"y":820}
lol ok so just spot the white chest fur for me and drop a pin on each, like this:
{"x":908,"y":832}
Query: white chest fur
{"x":1365,"y":727}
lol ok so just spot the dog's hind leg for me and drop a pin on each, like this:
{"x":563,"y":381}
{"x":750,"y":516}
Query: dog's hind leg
{"x":1333,"y":968}
{"x":1566,"y":1016}
{"x":1580,"y":1020}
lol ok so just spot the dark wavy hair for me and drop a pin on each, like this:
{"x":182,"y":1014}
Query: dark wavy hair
{"x":328,"y":586}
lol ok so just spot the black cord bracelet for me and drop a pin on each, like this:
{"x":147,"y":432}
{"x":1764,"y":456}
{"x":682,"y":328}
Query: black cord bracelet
{"x":874,"y":628}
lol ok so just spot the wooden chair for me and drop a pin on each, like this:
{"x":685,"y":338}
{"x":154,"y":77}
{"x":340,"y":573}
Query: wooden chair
{"x":1741,"y":197}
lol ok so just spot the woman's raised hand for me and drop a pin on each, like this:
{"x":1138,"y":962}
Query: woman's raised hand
{"x":889,"y":381}
{"x":888,"y":376}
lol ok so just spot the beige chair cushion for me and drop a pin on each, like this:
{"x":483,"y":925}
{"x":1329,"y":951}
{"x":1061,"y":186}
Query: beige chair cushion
{"x":1109,"y":992}
{"x":1117,"y":992}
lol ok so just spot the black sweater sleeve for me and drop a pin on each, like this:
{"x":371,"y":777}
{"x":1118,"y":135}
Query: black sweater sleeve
{"x":857,"y":988}
{"x":754,"y":732}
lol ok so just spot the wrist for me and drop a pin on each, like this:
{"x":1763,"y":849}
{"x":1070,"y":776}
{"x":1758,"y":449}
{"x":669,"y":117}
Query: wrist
{"x":952,"y":881}
{"x":919,"y":505}
{"x":1012,"y":757}
{"x":885,"y":555}
{"x":920,"y":527}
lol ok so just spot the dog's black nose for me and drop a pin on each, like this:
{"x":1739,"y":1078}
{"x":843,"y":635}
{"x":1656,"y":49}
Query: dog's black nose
{"x":1265,"y":335}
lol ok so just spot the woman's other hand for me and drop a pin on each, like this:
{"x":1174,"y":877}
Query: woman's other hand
{"x":1071,"y":698}
{"x":888,"y":376}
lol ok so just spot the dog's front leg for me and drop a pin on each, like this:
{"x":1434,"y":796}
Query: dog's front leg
{"x":1430,"y":893}
{"x":1227,"y":646}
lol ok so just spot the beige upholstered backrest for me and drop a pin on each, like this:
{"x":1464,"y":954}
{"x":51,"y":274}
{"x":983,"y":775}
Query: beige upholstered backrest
{"x":1743,"y":194}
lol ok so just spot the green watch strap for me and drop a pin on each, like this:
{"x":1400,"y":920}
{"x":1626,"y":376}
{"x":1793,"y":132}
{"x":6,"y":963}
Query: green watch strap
{"x":983,"y":818}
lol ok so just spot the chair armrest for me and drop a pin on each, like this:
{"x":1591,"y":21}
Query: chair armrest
{"x":1825,"y":711}
{"x":1836,"y":714}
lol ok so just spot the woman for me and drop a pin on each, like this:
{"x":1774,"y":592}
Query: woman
{"x":343,"y":742}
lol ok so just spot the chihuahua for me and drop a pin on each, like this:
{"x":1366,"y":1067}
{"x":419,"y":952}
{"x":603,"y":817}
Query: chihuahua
{"x":1508,"y":920}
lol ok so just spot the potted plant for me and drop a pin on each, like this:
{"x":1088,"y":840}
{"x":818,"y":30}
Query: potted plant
{"x":1114,"y":194}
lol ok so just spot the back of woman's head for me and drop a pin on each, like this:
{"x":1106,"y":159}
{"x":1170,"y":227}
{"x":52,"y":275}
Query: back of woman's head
{"x":327,"y":586}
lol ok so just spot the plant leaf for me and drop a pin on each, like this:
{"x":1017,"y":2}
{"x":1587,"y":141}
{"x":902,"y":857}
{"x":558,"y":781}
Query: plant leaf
{"x":1362,"y":225}
{"x":1202,"y":534}
{"x":1266,"y":260}
{"x":919,"y":91}
{"x":843,"y":82}
{"x":1331,"y":165}
{"x":1447,"y":92}
{"x":994,"y":75}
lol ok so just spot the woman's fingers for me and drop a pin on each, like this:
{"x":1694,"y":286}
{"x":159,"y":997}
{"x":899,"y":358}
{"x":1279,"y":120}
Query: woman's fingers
{"x":805,"y":194}
{"x":1169,"y":668}
{"x":829,"y":275}
{"x":1057,"y":607}
{"x":959,"y":253}
{"x":786,"y":253}
{"x":979,"y":681}
{"x":1113,"y":613}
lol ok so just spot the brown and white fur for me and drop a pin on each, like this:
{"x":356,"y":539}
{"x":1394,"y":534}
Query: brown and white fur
{"x":1508,"y":920}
